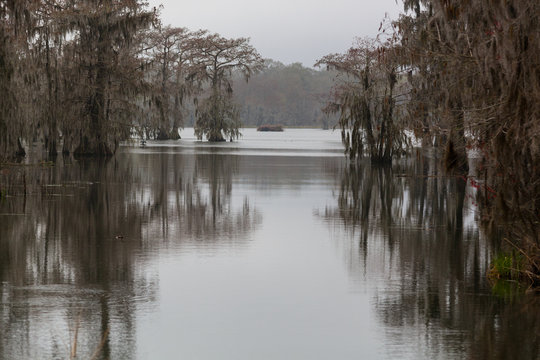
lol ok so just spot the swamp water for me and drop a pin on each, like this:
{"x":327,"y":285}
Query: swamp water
{"x":271,"y":247}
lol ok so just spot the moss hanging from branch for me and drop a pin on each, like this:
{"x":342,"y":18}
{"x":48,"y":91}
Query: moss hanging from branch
{"x":365,"y":99}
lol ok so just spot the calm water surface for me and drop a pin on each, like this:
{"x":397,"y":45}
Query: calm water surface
{"x":271,"y":247}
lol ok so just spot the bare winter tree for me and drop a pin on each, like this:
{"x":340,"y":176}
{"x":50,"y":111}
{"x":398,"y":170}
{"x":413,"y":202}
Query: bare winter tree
{"x":365,"y":100}
{"x":213,"y":62}
{"x":169,"y":75}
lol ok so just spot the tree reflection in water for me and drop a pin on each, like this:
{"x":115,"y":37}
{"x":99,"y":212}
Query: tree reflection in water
{"x":415,"y":243}
{"x":75,"y":244}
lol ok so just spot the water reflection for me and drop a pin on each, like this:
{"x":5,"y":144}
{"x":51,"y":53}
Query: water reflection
{"x":412,"y":240}
{"x":76,"y":240}
{"x":161,"y":251}
{"x":190,"y":202}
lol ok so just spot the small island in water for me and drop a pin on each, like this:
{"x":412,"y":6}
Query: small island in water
{"x":270,"y":128}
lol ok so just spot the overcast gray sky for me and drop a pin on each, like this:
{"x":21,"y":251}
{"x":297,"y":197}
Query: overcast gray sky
{"x":285,"y":30}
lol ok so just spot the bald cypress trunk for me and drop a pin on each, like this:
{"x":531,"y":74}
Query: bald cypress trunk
{"x":455,"y":156}
{"x":94,"y":142}
{"x":8,"y":107}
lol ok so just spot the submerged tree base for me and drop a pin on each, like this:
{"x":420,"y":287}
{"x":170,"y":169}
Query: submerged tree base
{"x":216,"y":138}
{"x":174,"y":135}
{"x":100,"y":149}
{"x":163,"y":135}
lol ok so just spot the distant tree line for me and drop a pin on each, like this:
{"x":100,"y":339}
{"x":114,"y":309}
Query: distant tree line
{"x":460,"y":76}
{"x":84,"y":75}
{"x":290,"y":95}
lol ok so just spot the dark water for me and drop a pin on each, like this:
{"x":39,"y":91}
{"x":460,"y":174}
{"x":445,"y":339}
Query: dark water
{"x":268,"y":248}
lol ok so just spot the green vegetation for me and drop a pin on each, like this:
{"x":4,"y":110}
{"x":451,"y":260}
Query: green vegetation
{"x":507,"y":266}
{"x":507,"y":274}
{"x":507,"y":290}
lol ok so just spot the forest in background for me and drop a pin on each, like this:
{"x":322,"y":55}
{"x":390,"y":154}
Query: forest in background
{"x":290,"y":95}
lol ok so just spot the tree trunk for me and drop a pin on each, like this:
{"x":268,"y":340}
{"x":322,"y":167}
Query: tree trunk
{"x":163,"y":134}
{"x":174,"y":133}
{"x":215,"y":136}
{"x":20,"y":149}
{"x":94,"y":142}
{"x":455,"y":156}
{"x":52,"y":134}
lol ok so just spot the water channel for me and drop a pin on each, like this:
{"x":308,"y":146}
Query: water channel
{"x":271,"y":247}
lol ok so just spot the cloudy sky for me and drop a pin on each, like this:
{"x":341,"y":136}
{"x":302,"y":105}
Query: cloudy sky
{"x":285,"y":30}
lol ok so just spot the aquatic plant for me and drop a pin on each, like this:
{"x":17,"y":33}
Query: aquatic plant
{"x":506,"y":266}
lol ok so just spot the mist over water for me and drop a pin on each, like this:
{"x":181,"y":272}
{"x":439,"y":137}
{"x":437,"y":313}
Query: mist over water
{"x":271,"y":247}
